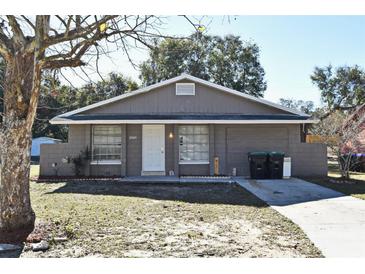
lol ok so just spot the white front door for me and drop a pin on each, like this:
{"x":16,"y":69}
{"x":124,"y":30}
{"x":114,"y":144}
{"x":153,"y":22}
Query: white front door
{"x":153,"y":148}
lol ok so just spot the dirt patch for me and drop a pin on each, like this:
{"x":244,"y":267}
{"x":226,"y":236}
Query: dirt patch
{"x":42,"y":231}
{"x":110,"y":219}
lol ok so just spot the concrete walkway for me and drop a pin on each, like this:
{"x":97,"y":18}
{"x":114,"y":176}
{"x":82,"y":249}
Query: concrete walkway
{"x":175,"y":179}
{"x":335,"y":223}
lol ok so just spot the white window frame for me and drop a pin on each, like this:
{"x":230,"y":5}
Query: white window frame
{"x":184,"y":93}
{"x":193,"y":162}
{"x":104,"y":162}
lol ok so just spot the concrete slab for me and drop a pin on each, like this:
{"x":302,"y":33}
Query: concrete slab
{"x":333,"y":221}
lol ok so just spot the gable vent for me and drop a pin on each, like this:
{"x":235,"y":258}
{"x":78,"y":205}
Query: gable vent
{"x":185,"y":89}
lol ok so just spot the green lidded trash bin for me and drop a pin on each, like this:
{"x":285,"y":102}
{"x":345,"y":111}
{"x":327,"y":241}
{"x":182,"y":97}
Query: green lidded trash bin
{"x":275,"y":164}
{"x":258,"y":165}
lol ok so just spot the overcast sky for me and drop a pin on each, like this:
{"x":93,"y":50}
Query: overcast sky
{"x":291,"y":46}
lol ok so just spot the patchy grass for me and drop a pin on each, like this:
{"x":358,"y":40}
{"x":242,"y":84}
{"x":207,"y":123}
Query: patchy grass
{"x":355,"y":186}
{"x":110,"y":219}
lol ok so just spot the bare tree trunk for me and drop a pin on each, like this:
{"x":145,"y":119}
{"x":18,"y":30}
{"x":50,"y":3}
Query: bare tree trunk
{"x":344,"y":163}
{"x":17,"y":217}
{"x":346,"y":167}
{"x":16,"y":214}
{"x":341,"y":163}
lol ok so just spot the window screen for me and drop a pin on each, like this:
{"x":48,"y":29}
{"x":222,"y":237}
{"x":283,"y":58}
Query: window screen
{"x":185,"y":89}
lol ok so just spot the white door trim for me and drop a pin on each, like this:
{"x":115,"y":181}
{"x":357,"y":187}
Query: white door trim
{"x":159,"y":129}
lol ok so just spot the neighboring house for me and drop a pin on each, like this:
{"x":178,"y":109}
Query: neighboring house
{"x":179,"y":126}
{"x":357,"y":144}
{"x":36,"y":143}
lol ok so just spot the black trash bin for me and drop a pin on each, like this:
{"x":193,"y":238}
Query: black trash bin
{"x":275,"y":164}
{"x":258,"y":165}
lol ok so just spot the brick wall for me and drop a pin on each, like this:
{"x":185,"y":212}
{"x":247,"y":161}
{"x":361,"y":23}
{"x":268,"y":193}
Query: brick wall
{"x":234,"y":142}
{"x":78,"y":140}
{"x":53,"y":154}
{"x":134,"y":150}
{"x":230,"y":143}
{"x":309,"y":160}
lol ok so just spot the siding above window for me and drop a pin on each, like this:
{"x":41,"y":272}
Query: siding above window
{"x":185,"y":89}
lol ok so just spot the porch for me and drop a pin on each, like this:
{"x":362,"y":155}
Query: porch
{"x":176,"y":179}
{"x":144,"y":179}
{"x":178,"y":150}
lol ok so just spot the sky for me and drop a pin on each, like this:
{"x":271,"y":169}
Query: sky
{"x":290,"y":48}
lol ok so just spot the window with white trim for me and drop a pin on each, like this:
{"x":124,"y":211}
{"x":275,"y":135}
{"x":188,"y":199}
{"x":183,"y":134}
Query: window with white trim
{"x":194,"y":144}
{"x":107,"y":143}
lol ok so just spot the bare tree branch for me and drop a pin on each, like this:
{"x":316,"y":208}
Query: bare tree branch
{"x":191,"y":22}
{"x":340,"y":132}
{"x":57,"y":64}
{"x":97,"y":63}
{"x":336,"y":108}
{"x":76,"y":33}
{"x":18,"y":36}
{"x":5,"y":43}
{"x":29,"y":22}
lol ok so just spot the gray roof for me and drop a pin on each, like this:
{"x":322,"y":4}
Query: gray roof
{"x":232,"y":117}
{"x":176,"y":79}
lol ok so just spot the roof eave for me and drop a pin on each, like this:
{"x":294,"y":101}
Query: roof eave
{"x":65,"y":121}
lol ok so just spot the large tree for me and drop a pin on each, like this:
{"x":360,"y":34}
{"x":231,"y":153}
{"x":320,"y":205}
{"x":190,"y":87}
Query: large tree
{"x":171,"y":57}
{"x":342,"y":88}
{"x":2,"y":76}
{"x":301,"y":105}
{"x":30,"y":45}
{"x":56,"y":98}
{"x":115,"y":84}
{"x":227,"y":61}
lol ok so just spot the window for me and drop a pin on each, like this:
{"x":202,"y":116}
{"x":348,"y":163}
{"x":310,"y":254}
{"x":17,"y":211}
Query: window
{"x":194,"y":144}
{"x":107,"y":143}
{"x":185,"y":89}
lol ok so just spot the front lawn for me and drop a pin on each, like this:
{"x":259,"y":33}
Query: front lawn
{"x":34,"y":171}
{"x":111,"y":219}
{"x":355,"y":186}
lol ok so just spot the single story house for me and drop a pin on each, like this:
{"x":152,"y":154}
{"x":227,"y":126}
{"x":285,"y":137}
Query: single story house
{"x":36,"y":146}
{"x":181,"y":126}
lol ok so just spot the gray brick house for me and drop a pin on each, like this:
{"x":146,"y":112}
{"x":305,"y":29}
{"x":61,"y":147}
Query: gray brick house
{"x":179,"y":126}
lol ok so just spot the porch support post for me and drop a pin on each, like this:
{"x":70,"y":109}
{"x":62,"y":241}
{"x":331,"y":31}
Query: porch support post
{"x":211,"y":149}
{"x":176,"y":149}
{"x":124,"y":151}
{"x":88,"y":142}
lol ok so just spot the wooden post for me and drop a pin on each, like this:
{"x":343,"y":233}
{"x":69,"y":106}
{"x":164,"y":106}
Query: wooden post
{"x":216,"y":166}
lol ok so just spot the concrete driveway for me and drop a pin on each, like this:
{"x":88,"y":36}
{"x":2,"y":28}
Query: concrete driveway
{"x":335,"y":223}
